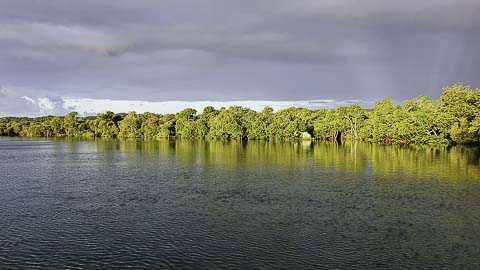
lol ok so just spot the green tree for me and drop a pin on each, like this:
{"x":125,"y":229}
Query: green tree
{"x":354,"y":116}
{"x":71,"y":125}
{"x":104,"y":125}
{"x":452,"y":119}
{"x":382,"y":121}
{"x":130,"y":125}
{"x":228,"y":124}
{"x":463,"y":103}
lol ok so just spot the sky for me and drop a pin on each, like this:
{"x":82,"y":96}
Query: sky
{"x":164,"y":55}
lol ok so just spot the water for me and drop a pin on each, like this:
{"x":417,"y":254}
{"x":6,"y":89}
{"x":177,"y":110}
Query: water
{"x":200,"y":205}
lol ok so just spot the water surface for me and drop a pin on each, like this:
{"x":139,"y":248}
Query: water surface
{"x":233,"y":205}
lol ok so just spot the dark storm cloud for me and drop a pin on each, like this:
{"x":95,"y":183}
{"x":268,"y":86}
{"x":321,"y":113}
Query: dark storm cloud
{"x":236,"y":50}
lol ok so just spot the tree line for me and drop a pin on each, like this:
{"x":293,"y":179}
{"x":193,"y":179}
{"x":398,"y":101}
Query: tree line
{"x":453,"y":118}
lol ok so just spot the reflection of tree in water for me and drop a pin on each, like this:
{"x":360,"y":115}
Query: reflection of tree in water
{"x":458,"y":162}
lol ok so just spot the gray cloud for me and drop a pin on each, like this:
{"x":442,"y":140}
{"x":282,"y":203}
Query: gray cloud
{"x":238,"y":50}
{"x":52,"y":36}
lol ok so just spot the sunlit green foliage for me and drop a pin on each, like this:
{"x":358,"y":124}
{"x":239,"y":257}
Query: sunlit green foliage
{"x":452,"y":119}
{"x":105,"y":125}
{"x":130,"y":126}
{"x":228,"y":124}
{"x":463,"y":104}
{"x":149,"y":126}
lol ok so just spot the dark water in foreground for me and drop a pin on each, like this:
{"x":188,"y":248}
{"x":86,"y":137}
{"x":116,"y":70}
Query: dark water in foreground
{"x":198,"y":205}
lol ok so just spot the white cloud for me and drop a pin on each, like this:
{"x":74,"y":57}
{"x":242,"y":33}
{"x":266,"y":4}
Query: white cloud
{"x":46,"y":104}
{"x":91,"y":106}
{"x":29,"y":99}
{"x":19,"y":101}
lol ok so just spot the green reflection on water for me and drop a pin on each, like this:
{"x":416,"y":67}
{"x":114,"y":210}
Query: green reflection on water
{"x":458,"y":162}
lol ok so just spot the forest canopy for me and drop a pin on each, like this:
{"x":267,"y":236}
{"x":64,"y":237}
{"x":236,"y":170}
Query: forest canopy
{"x":454,"y":118}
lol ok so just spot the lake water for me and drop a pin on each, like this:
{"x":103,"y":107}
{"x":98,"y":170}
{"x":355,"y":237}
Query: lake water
{"x":233,"y":205}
